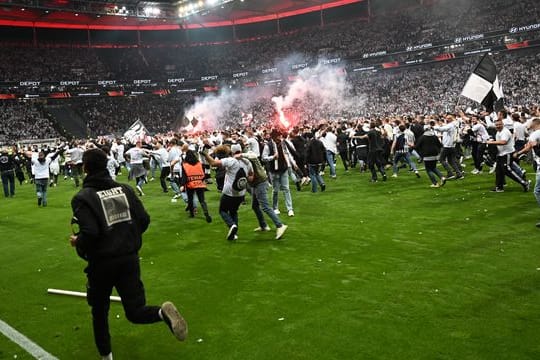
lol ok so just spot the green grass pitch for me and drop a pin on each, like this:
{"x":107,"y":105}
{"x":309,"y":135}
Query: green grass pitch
{"x":392,"y":270}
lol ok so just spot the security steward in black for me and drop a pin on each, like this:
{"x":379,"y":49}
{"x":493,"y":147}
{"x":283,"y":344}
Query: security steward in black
{"x":111,"y":220}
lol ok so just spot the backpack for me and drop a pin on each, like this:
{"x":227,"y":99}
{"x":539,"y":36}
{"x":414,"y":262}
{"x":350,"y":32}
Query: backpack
{"x":240,"y":179}
{"x":259,"y":173}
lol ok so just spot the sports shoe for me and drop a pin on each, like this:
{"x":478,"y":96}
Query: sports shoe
{"x":527,"y":186}
{"x":174,"y":320}
{"x":139,"y":189}
{"x":461,"y":177}
{"x":434,"y":185}
{"x":208,"y":218}
{"x":417,"y":174}
{"x":39,"y":202}
{"x":323,"y":187}
{"x":173,"y":200}
{"x":492,"y":169}
{"x":443,"y":181}
{"x":384,"y":177}
{"x":266,"y":228}
{"x":107,"y":357}
{"x":451,"y":177}
{"x":277,"y":212}
{"x":496,"y":189}
{"x":394,"y":175}
{"x":290,"y":213}
{"x":475,"y":171}
{"x":280,"y":231}
{"x":538,"y":224}
{"x":232,"y":232}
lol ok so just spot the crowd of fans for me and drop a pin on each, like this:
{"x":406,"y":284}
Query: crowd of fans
{"x":20,"y":121}
{"x":425,"y":89}
{"x":392,"y":30}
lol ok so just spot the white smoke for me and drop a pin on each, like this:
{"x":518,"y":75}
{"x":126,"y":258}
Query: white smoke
{"x":322,"y":90}
{"x":325,"y":88}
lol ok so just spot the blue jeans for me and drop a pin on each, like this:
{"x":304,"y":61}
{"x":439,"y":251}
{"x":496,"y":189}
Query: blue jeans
{"x":260,"y":201}
{"x":41,"y":190}
{"x":432,"y":171}
{"x":281,"y":181}
{"x":404,"y":157}
{"x":315,"y":176}
{"x":330,"y":158}
{"x":8,"y":178}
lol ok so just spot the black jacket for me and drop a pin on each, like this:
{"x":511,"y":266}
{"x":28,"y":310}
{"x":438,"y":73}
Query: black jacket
{"x":315,"y":152}
{"x":111,"y":219}
{"x":429,"y":146}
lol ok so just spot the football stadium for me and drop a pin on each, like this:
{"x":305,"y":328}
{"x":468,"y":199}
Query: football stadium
{"x":254,"y":179}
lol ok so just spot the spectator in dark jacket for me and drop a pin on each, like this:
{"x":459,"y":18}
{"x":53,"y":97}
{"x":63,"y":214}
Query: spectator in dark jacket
{"x":315,"y":158}
{"x":111,"y":222}
{"x":429,"y":146}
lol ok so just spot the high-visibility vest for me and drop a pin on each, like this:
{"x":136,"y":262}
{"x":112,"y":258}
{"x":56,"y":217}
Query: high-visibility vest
{"x":194,"y":175}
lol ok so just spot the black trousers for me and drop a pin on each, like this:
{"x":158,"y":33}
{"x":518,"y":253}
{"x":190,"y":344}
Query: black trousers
{"x":200,"y":196}
{"x":375,"y":162}
{"x":448,"y":159}
{"x":165,"y":171}
{"x":504,"y":168}
{"x":478,"y":150}
{"x":124,"y":274}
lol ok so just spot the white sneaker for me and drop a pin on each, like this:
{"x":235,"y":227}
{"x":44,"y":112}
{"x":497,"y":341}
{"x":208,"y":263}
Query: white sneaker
{"x":140,"y":190}
{"x":231,"y":235}
{"x":266,"y":228}
{"x":277,"y":212}
{"x":152,"y":179}
{"x":492,"y":169}
{"x":394,"y":175}
{"x":290,"y":213}
{"x":173,"y":200}
{"x":475,"y":171}
{"x":107,"y":357}
{"x":280,"y":231}
{"x":174,"y":320}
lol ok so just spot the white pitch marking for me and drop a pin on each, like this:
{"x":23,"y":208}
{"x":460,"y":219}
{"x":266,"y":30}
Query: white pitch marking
{"x":28,"y":345}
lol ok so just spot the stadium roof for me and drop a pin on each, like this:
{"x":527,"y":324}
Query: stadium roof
{"x":52,"y":15}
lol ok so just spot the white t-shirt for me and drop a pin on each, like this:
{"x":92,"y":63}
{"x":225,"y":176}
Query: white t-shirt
{"x":330,"y":142}
{"x":41,"y":169}
{"x":519,"y":131}
{"x":136,"y":155}
{"x":232,"y":165}
{"x":253,"y":146}
{"x":535,"y":139}
{"x":505,"y":134}
{"x":481,"y":133}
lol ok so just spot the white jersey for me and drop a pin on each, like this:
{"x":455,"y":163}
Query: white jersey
{"x":232,"y":165}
